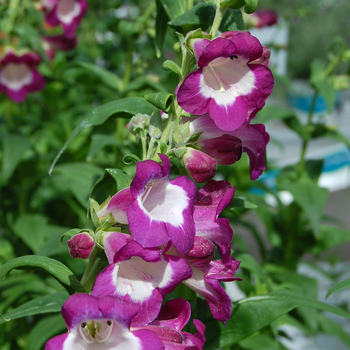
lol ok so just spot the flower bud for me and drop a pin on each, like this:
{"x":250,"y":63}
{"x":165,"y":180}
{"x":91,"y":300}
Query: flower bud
{"x":138,"y":121}
{"x":199,"y":165}
{"x":81,"y":245}
{"x":226,"y":149}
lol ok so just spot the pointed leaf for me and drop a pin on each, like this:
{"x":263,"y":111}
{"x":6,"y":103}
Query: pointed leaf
{"x":171,"y":65}
{"x":259,"y":342}
{"x":34,"y":262}
{"x":123,"y":107}
{"x":242,"y":203}
{"x":270,"y":113}
{"x":14,"y":147}
{"x":161,"y":100}
{"x":329,"y":237}
{"x":48,"y":303}
{"x":44,"y":330}
{"x":326,"y":89}
{"x":232,"y":20}
{"x":339,"y":286}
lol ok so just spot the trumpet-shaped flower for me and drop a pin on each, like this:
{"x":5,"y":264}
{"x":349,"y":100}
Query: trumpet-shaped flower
{"x":140,"y":275}
{"x":18,"y":74}
{"x":226,"y":85}
{"x":101,"y":324}
{"x":224,"y":146}
{"x":68,"y":13}
{"x":156,"y":209}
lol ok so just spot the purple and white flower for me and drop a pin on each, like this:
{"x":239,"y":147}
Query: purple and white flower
{"x":226,"y":85}
{"x":18,"y":74}
{"x":101,"y":324}
{"x":156,"y":209}
{"x":68,"y":13}
{"x":224,"y":146}
{"x":137,"y":274}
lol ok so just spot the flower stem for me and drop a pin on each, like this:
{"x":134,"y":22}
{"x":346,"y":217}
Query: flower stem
{"x":89,"y":268}
{"x":306,"y":142}
{"x":219,"y":14}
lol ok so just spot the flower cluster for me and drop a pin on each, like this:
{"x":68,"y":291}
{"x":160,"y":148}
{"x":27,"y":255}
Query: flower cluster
{"x":159,"y":233}
{"x":18,"y":67}
{"x":169,"y":237}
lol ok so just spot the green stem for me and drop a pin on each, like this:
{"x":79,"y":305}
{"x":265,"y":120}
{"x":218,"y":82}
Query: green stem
{"x":306,"y":142}
{"x":144,"y":145}
{"x":89,"y":267}
{"x":166,"y":133}
{"x":189,"y":4}
{"x":96,"y":269}
{"x":219,"y":14}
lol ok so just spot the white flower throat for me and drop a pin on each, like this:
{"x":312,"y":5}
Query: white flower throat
{"x":96,"y":330}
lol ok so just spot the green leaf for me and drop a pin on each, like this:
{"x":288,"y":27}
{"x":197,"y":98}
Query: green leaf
{"x":124,"y":107}
{"x":45,"y":329}
{"x":161,"y":27}
{"x":251,"y":6}
{"x":242,"y":203}
{"x":326,"y":89}
{"x":235,"y":4}
{"x":174,"y":8}
{"x":34,"y":262}
{"x":310,"y":197}
{"x":112,"y":176}
{"x":330,"y":236}
{"x":259,"y":342}
{"x":252,"y":314}
{"x":232,"y":20}
{"x":14,"y":147}
{"x":337,"y":136}
{"x":270,"y":113}
{"x":171,"y":65}
{"x":31,"y":228}
{"x":48,"y":303}
{"x":161,"y":100}
{"x":249,"y":263}
{"x":107,"y":77}
{"x":339,"y":286}
{"x":202,"y":16}
{"x":77,"y":178}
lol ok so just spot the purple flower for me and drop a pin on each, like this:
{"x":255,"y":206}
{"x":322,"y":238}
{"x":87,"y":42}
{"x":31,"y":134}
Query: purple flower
{"x":252,"y":137}
{"x":137,"y":274}
{"x":156,"y":209}
{"x":58,"y":43}
{"x":18,"y":75}
{"x":212,"y":198}
{"x":262,"y":18}
{"x":199,"y":165}
{"x":172,"y":318}
{"x":101,"y":324}
{"x":81,"y":245}
{"x":68,"y":13}
{"x":226,"y":85}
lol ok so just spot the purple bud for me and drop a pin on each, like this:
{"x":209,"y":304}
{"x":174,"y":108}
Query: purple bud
{"x":81,"y":245}
{"x":199,"y":165}
{"x":226,"y":149}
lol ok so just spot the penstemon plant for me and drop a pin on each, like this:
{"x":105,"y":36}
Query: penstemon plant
{"x":159,"y":247}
